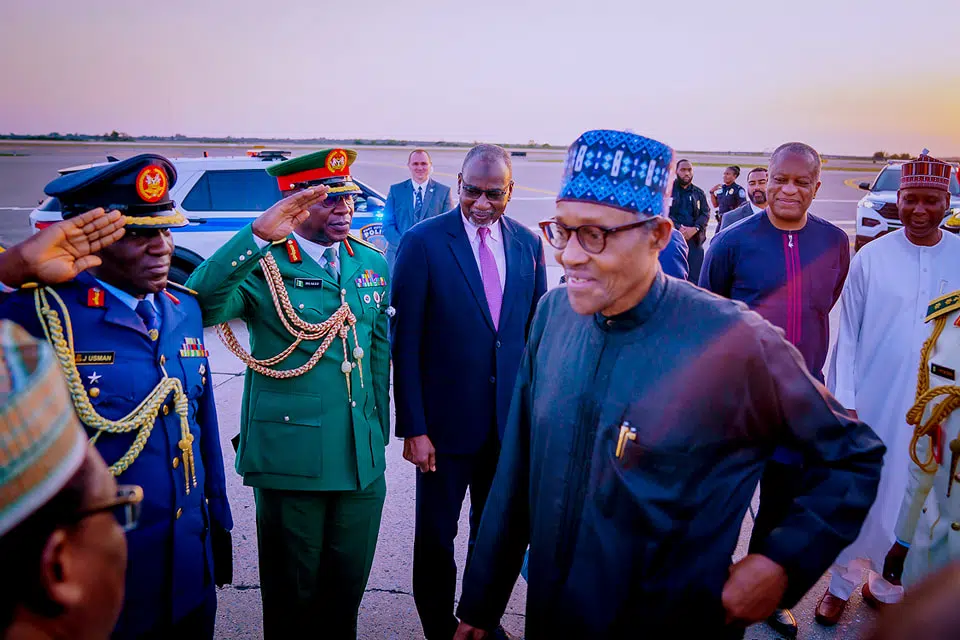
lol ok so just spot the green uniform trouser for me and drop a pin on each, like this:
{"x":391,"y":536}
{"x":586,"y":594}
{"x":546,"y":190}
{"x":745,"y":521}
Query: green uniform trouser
{"x":316,"y":549}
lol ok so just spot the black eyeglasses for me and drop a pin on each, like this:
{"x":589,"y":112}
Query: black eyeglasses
{"x":494,"y":195}
{"x":592,"y":237}
{"x":332,"y":201}
{"x":126,"y":507}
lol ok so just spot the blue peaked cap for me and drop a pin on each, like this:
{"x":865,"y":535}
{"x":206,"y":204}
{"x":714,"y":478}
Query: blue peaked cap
{"x":618,"y":169}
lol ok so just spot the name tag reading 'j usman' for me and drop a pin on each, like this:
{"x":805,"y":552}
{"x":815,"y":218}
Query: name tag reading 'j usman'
{"x":94,"y":357}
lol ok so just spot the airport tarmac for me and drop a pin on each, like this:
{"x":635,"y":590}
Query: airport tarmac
{"x":388,"y":609}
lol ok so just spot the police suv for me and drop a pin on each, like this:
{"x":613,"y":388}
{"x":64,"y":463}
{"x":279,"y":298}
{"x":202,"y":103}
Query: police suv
{"x":877,"y":211}
{"x":219,"y":196}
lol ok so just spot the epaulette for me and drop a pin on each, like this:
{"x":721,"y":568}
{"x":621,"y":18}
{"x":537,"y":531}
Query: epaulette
{"x":943,"y":305}
{"x":171,"y":283}
{"x":354,"y":238}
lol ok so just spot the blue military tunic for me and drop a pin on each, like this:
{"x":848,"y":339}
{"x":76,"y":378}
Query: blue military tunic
{"x":170,"y":559}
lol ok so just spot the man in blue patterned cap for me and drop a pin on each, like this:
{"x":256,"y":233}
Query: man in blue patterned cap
{"x":133,"y":356}
{"x":633,"y":449}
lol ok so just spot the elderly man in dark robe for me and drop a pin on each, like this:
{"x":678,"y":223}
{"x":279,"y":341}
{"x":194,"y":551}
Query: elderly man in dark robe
{"x":633,"y":448}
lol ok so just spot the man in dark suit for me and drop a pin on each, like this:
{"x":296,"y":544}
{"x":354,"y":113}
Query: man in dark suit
{"x":465,"y":289}
{"x":413,"y":200}
{"x":756,"y":199}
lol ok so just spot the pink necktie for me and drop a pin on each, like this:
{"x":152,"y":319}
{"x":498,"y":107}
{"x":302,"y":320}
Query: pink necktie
{"x":491,"y":277}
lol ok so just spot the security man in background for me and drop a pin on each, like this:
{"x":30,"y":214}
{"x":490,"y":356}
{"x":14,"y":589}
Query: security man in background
{"x":133,"y":355}
{"x":727,"y":195}
{"x":316,"y":408}
{"x":690,"y":214}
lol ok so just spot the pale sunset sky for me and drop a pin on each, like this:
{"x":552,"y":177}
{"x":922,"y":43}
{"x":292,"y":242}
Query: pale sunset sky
{"x":847,"y":76}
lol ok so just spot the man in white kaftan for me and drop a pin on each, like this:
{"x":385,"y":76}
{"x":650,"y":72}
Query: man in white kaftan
{"x":873,"y":369}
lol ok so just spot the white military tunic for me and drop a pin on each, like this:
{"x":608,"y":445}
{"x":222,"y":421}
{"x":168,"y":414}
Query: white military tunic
{"x":874,"y":371}
{"x":933,"y":547}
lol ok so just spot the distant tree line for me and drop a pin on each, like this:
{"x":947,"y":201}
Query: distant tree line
{"x":880,"y":156}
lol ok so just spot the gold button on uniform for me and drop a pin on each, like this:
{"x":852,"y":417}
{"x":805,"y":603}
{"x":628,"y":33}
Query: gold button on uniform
{"x":179,"y":513}
{"x":233,"y":264}
{"x":166,"y":409}
{"x":163,"y":360}
{"x":203,"y":380}
{"x":176,"y":462}
{"x":94,"y":392}
{"x":955,"y":526}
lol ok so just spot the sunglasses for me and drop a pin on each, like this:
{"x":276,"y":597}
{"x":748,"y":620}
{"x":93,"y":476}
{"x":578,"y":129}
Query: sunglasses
{"x":592,"y":237}
{"x":494,"y":195}
{"x":125,"y":507}
{"x":332,"y":201}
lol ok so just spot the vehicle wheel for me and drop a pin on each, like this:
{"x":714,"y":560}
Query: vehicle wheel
{"x":178,"y":275}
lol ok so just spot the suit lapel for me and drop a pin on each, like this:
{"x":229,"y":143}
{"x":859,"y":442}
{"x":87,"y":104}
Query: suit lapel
{"x":116,"y":312}
{"x":349,"y":266}
{"x":172,"y":316}
{"x":513,"y":255}
{"x":463,"y":252}
{"x":428,"y":191}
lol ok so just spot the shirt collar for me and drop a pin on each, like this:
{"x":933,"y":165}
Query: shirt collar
{"x":417,"y":184}
{"x":126,"y":298}
{"x":314,"y":249}
{"x":633,"y":318}
{"x":755,"y":208}
{"x":473,"y":230}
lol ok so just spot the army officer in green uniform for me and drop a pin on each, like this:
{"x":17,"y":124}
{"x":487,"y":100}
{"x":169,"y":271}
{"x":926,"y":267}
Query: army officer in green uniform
{"x":316,"y":409}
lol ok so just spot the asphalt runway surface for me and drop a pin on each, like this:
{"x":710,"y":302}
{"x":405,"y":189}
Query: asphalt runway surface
{"x":388,"y":609}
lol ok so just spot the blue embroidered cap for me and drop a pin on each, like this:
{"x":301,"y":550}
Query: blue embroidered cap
{"x":618,"y":169}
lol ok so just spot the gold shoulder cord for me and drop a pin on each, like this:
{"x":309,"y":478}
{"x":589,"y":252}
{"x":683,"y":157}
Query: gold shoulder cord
{"x":338,"y":324}
{"x":925,"y":396}
{"x":142,"y":419}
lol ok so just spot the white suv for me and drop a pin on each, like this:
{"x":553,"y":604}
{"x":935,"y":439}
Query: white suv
{"x":219,"y":196}
{"x":877,"y":211}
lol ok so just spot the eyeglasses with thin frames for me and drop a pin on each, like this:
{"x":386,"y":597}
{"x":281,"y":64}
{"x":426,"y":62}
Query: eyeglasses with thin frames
{"x":126,"y":507}
{"x":592,"y":237}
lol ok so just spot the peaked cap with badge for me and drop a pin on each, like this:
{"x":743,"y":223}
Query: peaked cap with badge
{"x":618,"y":169}
{"x":138,"y":186}
{"x":925,"y":172}
{"x":330,"y":167}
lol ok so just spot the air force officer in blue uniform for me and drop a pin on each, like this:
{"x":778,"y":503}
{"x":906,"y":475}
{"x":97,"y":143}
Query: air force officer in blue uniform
{"x":139,"y":377}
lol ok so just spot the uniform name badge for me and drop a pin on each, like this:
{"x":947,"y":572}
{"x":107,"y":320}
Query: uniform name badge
{"x":308,"y":283}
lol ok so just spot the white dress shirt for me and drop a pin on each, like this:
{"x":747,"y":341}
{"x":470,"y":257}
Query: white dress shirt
{"x":755,"y":208}
{"x":415,"y":186}
{"x":494,"y":241}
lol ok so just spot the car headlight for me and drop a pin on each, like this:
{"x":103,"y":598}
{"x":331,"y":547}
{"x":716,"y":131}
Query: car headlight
{"x":953,"y":218}
{"x":871,"y":204}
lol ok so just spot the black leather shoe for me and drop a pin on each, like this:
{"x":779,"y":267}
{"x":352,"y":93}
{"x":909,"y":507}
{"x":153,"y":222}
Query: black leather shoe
{"x":783,"y":622}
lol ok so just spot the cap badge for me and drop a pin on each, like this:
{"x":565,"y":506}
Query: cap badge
{"x":151,"y":183}
{"x":336,"y":160}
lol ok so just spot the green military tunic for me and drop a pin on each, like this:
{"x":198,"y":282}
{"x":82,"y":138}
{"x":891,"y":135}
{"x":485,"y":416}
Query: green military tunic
{"x":304,"y":433}
{"x":313,"y":451}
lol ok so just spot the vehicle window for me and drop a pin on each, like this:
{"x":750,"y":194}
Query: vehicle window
{"x":889,"y":180}
{"x":233,"y":190}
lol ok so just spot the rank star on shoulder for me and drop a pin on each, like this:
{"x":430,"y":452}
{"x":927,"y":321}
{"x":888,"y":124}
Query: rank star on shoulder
{"x":94,"y":377}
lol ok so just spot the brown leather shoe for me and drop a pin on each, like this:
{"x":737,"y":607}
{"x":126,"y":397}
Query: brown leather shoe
{"x":871,"y":599}
{"x":829,"y":609}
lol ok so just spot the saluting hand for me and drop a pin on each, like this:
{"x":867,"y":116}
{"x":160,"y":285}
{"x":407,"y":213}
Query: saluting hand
{"x":754,"y":590}
{"x":62,"y":250}
{"x":277,"y":222}
{"x":419,"y":450}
